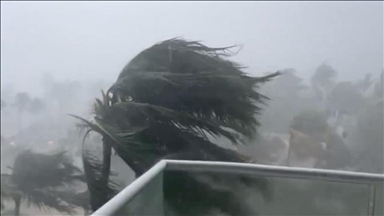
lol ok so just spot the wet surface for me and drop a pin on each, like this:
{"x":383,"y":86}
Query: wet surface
{"x":9,"y":210}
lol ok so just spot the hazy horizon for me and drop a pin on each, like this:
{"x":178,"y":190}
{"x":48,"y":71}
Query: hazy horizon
{"x":94,"y":40}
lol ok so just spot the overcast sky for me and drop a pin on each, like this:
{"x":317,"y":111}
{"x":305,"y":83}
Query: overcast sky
{"x":78,"y":40}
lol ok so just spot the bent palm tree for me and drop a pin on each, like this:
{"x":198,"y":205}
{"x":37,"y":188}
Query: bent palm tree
{"x":323,"y":81}
{"x":92,"y":170}
{"x":38,"y":179}
{"x":166,"y":103}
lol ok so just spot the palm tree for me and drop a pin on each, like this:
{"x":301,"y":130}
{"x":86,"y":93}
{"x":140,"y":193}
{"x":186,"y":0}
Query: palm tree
{"x":323,"y":81}
{"x":38,"y":178}
{"x":73,"y":197}
{"x":164,"y":104}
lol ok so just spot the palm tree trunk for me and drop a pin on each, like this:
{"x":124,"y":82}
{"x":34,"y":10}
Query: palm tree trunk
{"x":17,"y":205}
{"x":99,"y":198}
{"x":106,"y":169}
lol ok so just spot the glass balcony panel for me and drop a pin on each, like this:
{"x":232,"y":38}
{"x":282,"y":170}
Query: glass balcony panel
{"x":379,"y":201}
{"x":148,"y":201}
{"x":309,"y":197}
{"x":294,"y":196}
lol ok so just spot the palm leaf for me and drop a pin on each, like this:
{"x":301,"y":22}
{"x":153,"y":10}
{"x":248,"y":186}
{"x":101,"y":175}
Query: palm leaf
{"x":39,"y":178}
{"x":34,"y":170}
{"x":92,"y":169}
{"x":47,"y":199}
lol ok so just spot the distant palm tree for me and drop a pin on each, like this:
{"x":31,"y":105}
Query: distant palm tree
{"x":164,"y":104}
{"x":323,"y":81}
{"x":38,"y":179}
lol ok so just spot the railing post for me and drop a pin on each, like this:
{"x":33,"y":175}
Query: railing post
{"x":372,"y":200}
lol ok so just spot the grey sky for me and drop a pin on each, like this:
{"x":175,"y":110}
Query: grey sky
{"x":77,"y":40}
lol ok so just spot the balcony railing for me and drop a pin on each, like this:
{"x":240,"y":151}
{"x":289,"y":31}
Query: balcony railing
{"x":294,"y":190}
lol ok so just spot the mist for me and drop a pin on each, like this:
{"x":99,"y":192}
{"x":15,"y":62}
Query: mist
{"x":84,"y":40}
{"x":57,"y":57}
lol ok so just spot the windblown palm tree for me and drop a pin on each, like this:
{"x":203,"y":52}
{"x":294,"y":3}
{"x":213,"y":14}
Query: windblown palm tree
{"x":92,"y":170}
{"x":323,"y":81}
{"x":38,"y":178}
{"x":165,"y":104}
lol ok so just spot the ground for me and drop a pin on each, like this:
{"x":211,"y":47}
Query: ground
{"x":32,"y":210}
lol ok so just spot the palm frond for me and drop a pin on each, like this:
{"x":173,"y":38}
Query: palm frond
{"x":227,"y":99}
{"x":73,"y":198}
{"x":181,"y":55}
{"x":34,"y":170}
{"x":47,"y":199}
{"x":197,"y":81}
{"x":134,"y":114}
{"x":38,"y":177}
{"x":85,"y":124}
{"x":92,"y":169}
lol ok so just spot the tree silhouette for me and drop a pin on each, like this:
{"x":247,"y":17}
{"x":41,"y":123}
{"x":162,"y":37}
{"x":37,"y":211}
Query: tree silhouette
{"x":38,"y":178}
{"x":323,"y":81}
{"x":163,"y":105}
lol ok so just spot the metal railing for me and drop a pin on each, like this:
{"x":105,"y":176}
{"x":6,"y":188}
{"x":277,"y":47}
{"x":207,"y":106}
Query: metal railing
{"x":121,"y":199}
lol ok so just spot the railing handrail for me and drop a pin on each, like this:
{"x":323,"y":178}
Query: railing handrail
{"x":275,"y":171}
{"x":131,"y":190}
{"x":117,"y":202}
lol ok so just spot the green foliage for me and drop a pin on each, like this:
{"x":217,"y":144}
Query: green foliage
{"x":39,"y":178}
{"x":93,"y":173}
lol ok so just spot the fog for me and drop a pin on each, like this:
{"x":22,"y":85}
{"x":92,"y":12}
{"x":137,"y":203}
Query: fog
{"x":94,"y":40}
{"x":56,"y":57}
